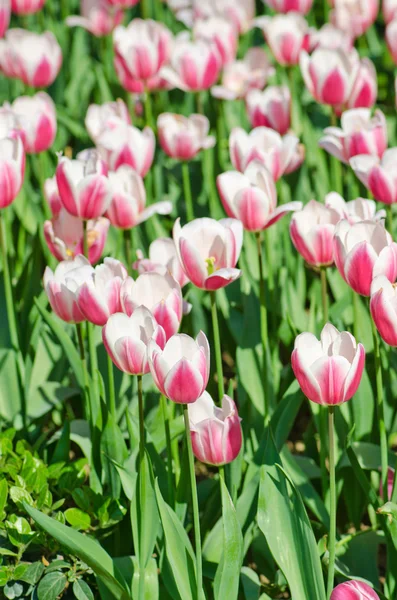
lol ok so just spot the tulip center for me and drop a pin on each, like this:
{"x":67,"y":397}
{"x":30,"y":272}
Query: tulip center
{"x":210,"y":264}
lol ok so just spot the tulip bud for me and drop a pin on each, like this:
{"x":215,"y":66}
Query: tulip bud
{"x":216,"y":432}
{"x":12,"y":169}
{"x":354,"y":17}
{"x":181,"y":370}
{"x":270,"y":108}
{"x":5,"y":15}
{"x":365,"y":87}
{"x":287,"y":35}
{"x":285,"y":6}
{"x":97,"y":16}
{"x":183,"y":137}
{"x":379,"y":175}
{"x":163,"y":259}
{"x":221,"y":33}
{"x":37,"y":121}
{"x":328,"y":370}
{"x":102,"y":117}
{"x":127,"y":145}
{"x":26,"y":7}
{"x":354,"y":590}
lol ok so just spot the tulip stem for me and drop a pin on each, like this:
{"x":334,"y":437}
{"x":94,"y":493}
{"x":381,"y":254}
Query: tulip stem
{"x":95,"y":405}
{"x":148,"y":110}
{"x":324,"y":293}
{"x":336,"y":167}
{"x":85,"y":239}
{"x":380,"y":409}
{"x":171,"y":494}
{"x":187,"y":190}
{"x":263,"y":320}
{"x":127,"y":247}
{"x":217,"y":342}
{"x":86,"y":394}
{"x":389,"y":211}
{"x":196,"y":515}
{"x":141,"y":421}
{"x":332,"y":489}
{"x":112,"y":395}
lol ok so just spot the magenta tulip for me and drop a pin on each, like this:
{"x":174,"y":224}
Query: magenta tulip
{"x":127,"y":145}
{"x":285,"y":6}
{"x":354,"y":590}
{"x":270,"y":108}
{"x":384,"y":308}
{"x":12,"y":169}
{"x":163,"y":258}
{"x":37,"y":120}
{"x":104,"y":117}
{"x":26,"y":7}
{"x":97,"y":16}
{"x":379,"y":175}
{"x":5,"y":15}
{"x":220,"y":32}
{"x":287,"y":35}
{"x":183,"y":137}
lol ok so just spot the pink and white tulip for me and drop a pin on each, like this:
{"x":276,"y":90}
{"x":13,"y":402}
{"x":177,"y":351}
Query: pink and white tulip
{"x":252,"y":198}
{"x":37,"y":121}
{"x":354,"y":16}
{"x":328,"y":36}
{"x":389,"y":9}
{"x":354,"y":590}
{"x":379,"y":175}
{"x":5,"y":16}
{"x":104,"y":117}
{"x":182,"y":369}
{"x":365,"y":88}
{"x":26,"y":7}
{"x":12,"y":169}
{"x":209,"y":250}
{"x":270,"y":108}
{"x":97,"y":17}
{"x":390,"y":36}
{"x":126,"y":340}
{"x":328,"y":370}
{"x":363,"y":251}
{"x":161,"y":294}
{"x":184,"y":137}
{"x":220,"y":32}
{"x":287,"y":35}
{"x":360,"y":209}
{"x":312,"y":230}
{"x":163,"y":259}
{"x":238,"y":12}
{"x":286,"y":6}
{"x":127,"y":207}
{"x":383,"y":306}
{"x":122,"y":3}
{"x":359,"y":134}
{"x":215,"y":432}
{"x":51,"y":194}
{"x":127,"y":145}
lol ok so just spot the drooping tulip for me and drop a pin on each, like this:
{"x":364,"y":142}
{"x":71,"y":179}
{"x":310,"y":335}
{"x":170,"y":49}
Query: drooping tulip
{"x":362,"y":251}
{"x":354,"y":17}
{"x":183,"y":137}
{"x":163,"y":258}
{"x":328,"y":370}
{"x":379,"y":175}
{"x":270,"y":108}
{"x":287,"y":35}
{"x":12,"y":169}
{"x":384,"y":308}
{"x":181,"y":370}
{"x":102,"y":117}
{"x":360,"y":209}
{"x":5,"y":15}
{"x":209,"y":250}
{"x":286,"y":6}
{"x":221,"y":33}
{"x":37,"y":121}
{"x":216,"y":432}
{"x":354,"y":590}
{"x":26,"y":7}
{"x":97,"y":17}
{"x":127,"y":145}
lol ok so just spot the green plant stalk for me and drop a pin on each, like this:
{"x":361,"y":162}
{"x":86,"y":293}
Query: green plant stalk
{"x":263,"y":322}
{"x":145,"y":9}
{"x":141,"y":421}
{"x":170,"y":475}
{"x":336,"y":167}
{"x":196,"y":515}
{"x":148,"y":110}
{"x":42,"y":177}
{"x":322,"y":416}
{"x":85,"y":239}
{"x":356,"y":306}
{"x":187,"y":191}
{"x":128,"y":247}
{"x":86,"y":392}
{"x":332,"y":487}
{"x":324,"y":293}
{"x":380,"y":411}
{"x":389,"y":212}
{"x":95,"y":402}
{"x":112,"y":394}
{"x":217,"y":342}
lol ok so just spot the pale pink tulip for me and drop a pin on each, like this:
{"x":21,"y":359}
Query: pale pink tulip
{"x":330,"y":37}
{"x":35,"y":58}
{"x":216,"y":432}
{"x":127,"y":207}
{"x":383,"y":306}
{"x":360,"y":209}
{"x":365,"y":88}
{"x":362,"y":251}
{"x":270,"y":108}
{"x":312,"y":230}
{"x":97,"y":17}
{"x":83,"y":185}
{"x":12,"y":169}
{"x":209,"y":250}
{"x":297,"y":158}
{"x":183,"y":137}
{"x":181,"y":370}
{"x":5,"y":15}
{"x":64,"y":236}
{"x":286,"y":6}
{"x":354,"y":590}
{"x":379,"y":175}
{"x":51,"y":194}
{"x":328,"y":370}
{"x":122,"y":3}
{"x":389,"y":9}
{"x":127,"y":145}
{"x":26,"y":7}
{"x":163,"y":258}
{"x":220,"y":32}
{"x":266,"y":146}
{"x":183,"y":11}
{"x":287,"y":35}
{"x":252,"y":198}
{"x":359,"y":134}
{"x":126,"y":340}
{"x":354,"y":16}
{"x":104,"y":117}
{"x":37,"y":121}
{"x":238,"y":12}
{"x":161,"y":294}
{"x":390,"y":36}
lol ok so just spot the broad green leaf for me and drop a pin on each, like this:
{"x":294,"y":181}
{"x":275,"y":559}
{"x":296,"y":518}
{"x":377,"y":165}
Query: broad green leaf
{"x":77,"y":518}
{"x":3,"y":496}
{"x":113,"y":447}
{"x":151,"y":580}
{"x":144,"y":514}
{"x":51,"y":586}
{"x":251,"y":583}
{"x":82,"y":590}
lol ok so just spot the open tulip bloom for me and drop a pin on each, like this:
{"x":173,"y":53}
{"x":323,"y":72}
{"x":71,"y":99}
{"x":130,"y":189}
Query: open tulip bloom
{"x":379,"y":175}
{"x":12,"y":169}
{"x":287,"y":35}
{"x":101,"y":117}
{"x":37,"y":123}
{"x":126,"y":145}
{"x":97,"y":16}
{"x":163,"y":258}
{"x":354,"y":17}
{"x":360,"y":209}
{"x":354,"y":590}
{"x":183,"y":137}
{"x":383,"y":306}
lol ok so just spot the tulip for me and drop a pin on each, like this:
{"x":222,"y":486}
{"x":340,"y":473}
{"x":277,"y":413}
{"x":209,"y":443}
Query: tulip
{"x":12,"y":169}
{"x":329,"y":74}
{"x":390,"y":483}
{"x":141,"y":49}
{"x":51,"y":194}
{"x":127,"y":145}
{"x":328,"y":370}
{"x":35,"y":58}
{"x":354,"y":17}
{"x":358,"y":134}
{"x":126,"y":340}
{"x":65,"y":236}
{"x":183,"y":137}
{"x":354,"y":211}
{"x":5,"y":15}
{"x":286,"y":6}
{"x":365,"y":87}
{"x":362,"y":251}
{"x":379,"y":175}
{"x":127,"y":207}
{"x":37,"y":121}
{"x":240,"y":76}
{"x":163,"y":259}
{"x":264,"y":145}
{"x":354,"y":590}
{"x":26,"y":7}
{"x":83,"y":186}
{"x":181,"y":370}
{"x":389,"y":9}
{"x":221,"y":33}
{"x":297,"y":158}
{"x":328,"y":36}
{"x":238,"y":12}
{"x":390,"y":36}
{"x":102,"y":117}
{"x":383,"y":308}
{"x":270,"y":108}
{"x":216,"y":432}
{"x":183,"y":11}
{"x":252,"y":197}
{"x":312,"y":230}
{"x":122,"y":3}
{"x":161,"y":294}
{"x":97,"y":17}
{"x":287,"y":35}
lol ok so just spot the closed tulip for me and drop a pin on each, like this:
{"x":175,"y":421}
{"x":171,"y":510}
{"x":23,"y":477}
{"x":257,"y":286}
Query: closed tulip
{"x":209,"y":250}
{"x":252,"y":198}
{"x":181,"y":370}
{"x":354,"y":590}
{"x":12,"y":169}
{"x":5,"y":15}
{"x":128,"y":205}
{"x":26,"y":7}
{"x":270,"y":108}
{"x":83,"y":185}
{"x":238,"y":12}
{"x":360,"y":209}
{"x":365,"y":88}
{"x":184,"y":137}
{"x":51,"y":194}
{"x":328,"y":370}
{"x":37,"y":121}
{"x":379,"y":175}
{"x":161,"y":294}
{"x":312,"y":230}
{"x":389,"y":9}
{"x":127,"y":145}
{"x":354,"y":17}
{"x":163,"y":259}
{"x":287,"y":35}
{"x":97,"y":17}
{"x":285,"y":6}
{"x":359,"y":134}
{"x":126,"y":340}
{"x":216,"y":432}
{"x":384,"y":308}
{"x":362,"y":251}
{"x":220,"y":32}
{"x":102,"y":117}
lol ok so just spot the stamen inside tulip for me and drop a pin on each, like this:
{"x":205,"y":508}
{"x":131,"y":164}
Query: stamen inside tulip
{"x":210,"y":264}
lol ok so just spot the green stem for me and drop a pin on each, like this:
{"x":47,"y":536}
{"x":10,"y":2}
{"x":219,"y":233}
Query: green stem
{"x":95,"y":402}
{"x":112,"y":394}
{"x":356,"y":307}
{"x":85,"y":238}
{"x":145,"y":9}
{"x":389,"y":212}
{"x":128,"y":247}
{"x":218,"y":350}
{"x":86,"y":393}
{"x":187,"y":191}
{"x":171,"y":491}
{"x":336,"y":167}
{"x":263,"y":321}
{"x":42,"y":177}
{"x":196,"y":515}
{"x":148,"y":110}
{"x":324,"y":293}
{"x":380,"y":409}
{"x":332,"y":487}
{"x":141,"y":421}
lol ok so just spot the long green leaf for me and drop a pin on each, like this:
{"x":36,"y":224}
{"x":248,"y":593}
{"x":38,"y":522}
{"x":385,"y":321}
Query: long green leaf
{"x":144,"y":514}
